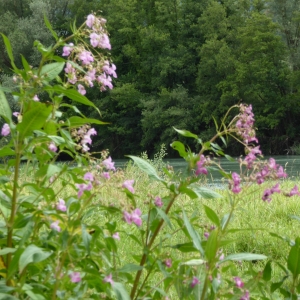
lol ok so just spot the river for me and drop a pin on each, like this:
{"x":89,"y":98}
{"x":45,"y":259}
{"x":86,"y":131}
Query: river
{"x":291,"y":164}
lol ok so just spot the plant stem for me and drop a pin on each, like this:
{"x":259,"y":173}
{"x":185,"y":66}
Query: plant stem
{"x":10,"y":224}
{"x":144,"y":257}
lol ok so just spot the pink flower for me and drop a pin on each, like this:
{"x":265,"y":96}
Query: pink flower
{"x":158,"y":202}
{"x":168,"y":262}
{"x":109,"y":164}
{"x":90,"y":20}
{"x":52,"y":147}
{"x":92,"y":131}
{"x":239,"y":283}
{"x":194,"y":282}
{"x":16,"y":114}
{"x":109,"y":70}
{"x":61,"y":205}
{"x":206,"y":235}
{"x":5,"y":131}
{"x":127,"y":184}
{"x":294,"y":191}
{"x":75,"y":277}
{"x":88,"y":176}
{"x":81,"y":89}
{"x":86,"y":57}
{"x":275,"y":188}
{"x":67,"y":49}
{"x":109,"y":279}
{"x":135,"y":217}
{"x":281,"y":173}
{"x":236,"y":180}
{"x":36,"y":98}
{"x":200,"y":169}
{"x":246,"y":296}
{"x":106,"y":175}
{"x":55,"y":226}
{"x":116,"y":236}
{"x":104,"y":42}
{"x":94,"y":39}
{"x":83,"y":187}
{"x":267,"y":195}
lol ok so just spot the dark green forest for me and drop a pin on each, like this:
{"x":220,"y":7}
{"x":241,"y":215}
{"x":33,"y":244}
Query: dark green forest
{"x":179,"y":63}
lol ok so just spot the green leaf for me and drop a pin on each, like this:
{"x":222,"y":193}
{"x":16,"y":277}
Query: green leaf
{"x":7,"y":297}
{"x":267,"y":273}
{"x":211,"y":246}
{"x":9,"y":52}
{"x":47,"y":23}
{"x":86,"y":238}
{"x":186,"y":247}
{"x":130,"y":268}
{"x":145,"y":166}
{"x":186,"y":133}
{"x":293,"y":261}
{"x":120,"y":291}
{"x":5,"y":251}
{"x":72,"y":94}
{"x":33,"y":119}
{"x":32,"y":254}
{"x":180,"y":148}
{"x":212,"y":215}
{"x":50,"y":71}
{"x":205,"y":193}
{"x":243,"y":256}
{"x":5,"y":111}
{"x":25,"y":64}
{"x":193,"y":233}
{"x":76,"y":121}
{"x":164,"y":216}
{"x":189,"y":192}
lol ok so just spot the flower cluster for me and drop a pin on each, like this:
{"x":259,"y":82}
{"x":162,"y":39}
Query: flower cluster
{"x":83,"y":136}
{"x":245,"y":124}
{"x":5,"y":131}
{"x":83,"y":67}
{"x":134,"y":217}
{"x":234,"y":184}
{"x":201,"y":163}
{"x":85,"y":186}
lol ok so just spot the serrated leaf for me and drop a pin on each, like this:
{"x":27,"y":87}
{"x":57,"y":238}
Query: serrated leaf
{"x":186,"y":133}
{"x":120,"y":291}
{"x":33,"y":119}
{"x":130,"y":268}
{"x":212,"y":215}
{"x":5,"y":111}
{"x":193,"y":234}
{"x":145,"y":166}
{"x":243,"y":256}
{"x":205,"y":193}
{"x":32,"y":254}
{"x":52,"y":70}
{"x":180,"y":148}
{"x":47,"y":23}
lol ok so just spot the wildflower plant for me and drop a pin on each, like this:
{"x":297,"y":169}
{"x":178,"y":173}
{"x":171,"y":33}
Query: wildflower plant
{"x":49,"y":247}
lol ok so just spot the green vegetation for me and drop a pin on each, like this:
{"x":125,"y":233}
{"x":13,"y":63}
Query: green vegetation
{"x":179,"y":63}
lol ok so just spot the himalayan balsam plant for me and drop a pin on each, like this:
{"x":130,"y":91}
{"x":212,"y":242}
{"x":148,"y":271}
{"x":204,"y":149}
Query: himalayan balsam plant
{"x":61,"y":240}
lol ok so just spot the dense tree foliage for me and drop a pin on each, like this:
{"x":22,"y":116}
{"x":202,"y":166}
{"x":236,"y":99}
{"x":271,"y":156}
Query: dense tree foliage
{"x":179,"y":62}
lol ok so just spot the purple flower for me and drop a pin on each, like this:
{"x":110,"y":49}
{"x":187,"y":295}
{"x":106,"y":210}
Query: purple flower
{"x":5,"y":131}
{"x":75,"y":277}
{"x":275,"y":188}
{"x":109,"y":279}
{"x":106,"y":175}
{"x":267,"y":195}
{"x":200,"y":169}
{"x":86,"y":57}
{"x":104,"y":42}
{"x":116,"y":236}
{"x":88,"y":176}
{"x":67,"y":49}
{"x":239,"y":283}
{"x":168,"y":262}
{"x":83,"y":187}
{"x":246,"y":296}
{"x":16,"y":113}
{"x":81,"y":89}
{"x":236,"y":180}
{"x":127,"y":184}
{"x":52,"y":147}
{"x":134,"y":217}
{"x":61,"y":205}
{"x":55,"y":226}
{"x":206,"y":235}
{"x":194,"y":282}
{"x":109,"y":70}
{"x":281,"y":173}
{"x":94,"y":39}
{"x":109,"y":164}
{"x":294,"y":191}
{"x":36,"y":98}
{"x":90,"y":20}
{"x":158,"y":202}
